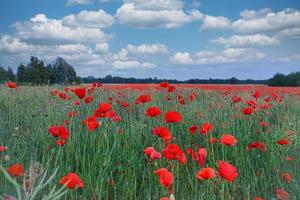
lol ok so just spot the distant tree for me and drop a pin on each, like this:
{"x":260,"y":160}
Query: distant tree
{"x":292,"y":79}
{"x":63,"y":72}
{"x":2,"y":74}
{"x":233,"y":80}
{"x":37,"y":72}
{"x":277,"y":80}
{"x":22,"y":74}
{"x":51,"y":74}
{"x":10,"y":75}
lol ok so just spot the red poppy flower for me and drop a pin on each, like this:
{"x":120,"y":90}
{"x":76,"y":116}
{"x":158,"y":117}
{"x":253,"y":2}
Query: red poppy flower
{"x":104,"y":107}
{"x":80,"y":92}
{"x":193,"y":129}
{"x":248,"y":111}
{"x":283,"y":142}
{"x":61,"y":142}
{"x":165,"y":177}
{"x":195,"y":156}
{"x":251,"y":103}
{"x":256,"y":94}
{"x":125,"y":104}
{"x":64,"y":96}
{"x":228,"y":140}
{"x":258,"y":198}
{"x":206,"y":127}
{"x":171,"y":89}
{"x":227,"y":171}
{"x":59,"y":131}
{"x":88,"y":99}
{"x":144,"y":98}
{"x":289,"y":158}
{"x":16,"y":170}
{"x":258,"y":145}
{"x":11,"y":85}
{"x":164,"y":198}
{"x":213,"y":140}
{"x":91,"y":123}
{"x":174,"y":152}
{"x":162,"y":132}
{"x":263,"y":124}
{"x":54,"y":92}
{"x":76,"y":103}
{"x":3,"y":148}
{"x":206,"y":173}
{"x":153,"y":111}
{"x":152,"y":153}
{"x":192,"y":96}
{"x":71,"y":181}
{"x":286,"y":177}
{"x":282,"y":194}
{"x":164,"y":84}
{"x":202,"y":154}
{"x":116,"y":118}
{"x":236,"y":99}
{"x":172,"y":117}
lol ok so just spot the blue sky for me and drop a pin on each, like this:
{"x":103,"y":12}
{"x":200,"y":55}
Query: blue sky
{"x":155,"y":38}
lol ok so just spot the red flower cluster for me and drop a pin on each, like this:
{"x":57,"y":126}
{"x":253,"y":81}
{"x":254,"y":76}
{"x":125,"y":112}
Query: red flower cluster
{"x":173,"y":151}
{"x":61,"y":132}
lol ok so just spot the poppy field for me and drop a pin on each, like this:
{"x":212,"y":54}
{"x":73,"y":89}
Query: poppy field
{"x":149,"y":141}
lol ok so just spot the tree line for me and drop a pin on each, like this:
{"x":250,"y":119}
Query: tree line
{"x":292,"y":79}
{"x":60,"y":72}
{"x":38,"y":73}
{"x":117,"y":79}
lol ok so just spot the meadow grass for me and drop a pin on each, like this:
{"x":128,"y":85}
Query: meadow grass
{"x":111,"y":161}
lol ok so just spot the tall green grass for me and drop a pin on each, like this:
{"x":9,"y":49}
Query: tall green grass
{"x":111,"y":161}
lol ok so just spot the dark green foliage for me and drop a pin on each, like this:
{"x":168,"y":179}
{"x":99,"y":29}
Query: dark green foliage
{"x":293,"y":79}
{"x":22,"y":74}
{"x":37,"y":73}
{"x":2,"y":74}
{"x":117,"y":79}
{"x":63,"y":72}
{"x":10,"y":75}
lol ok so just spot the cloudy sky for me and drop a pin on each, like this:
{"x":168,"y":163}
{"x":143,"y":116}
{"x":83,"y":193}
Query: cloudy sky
{"x":155,"y":38}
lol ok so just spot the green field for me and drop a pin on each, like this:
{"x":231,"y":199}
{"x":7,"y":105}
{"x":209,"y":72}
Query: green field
{"x":111,"y":161}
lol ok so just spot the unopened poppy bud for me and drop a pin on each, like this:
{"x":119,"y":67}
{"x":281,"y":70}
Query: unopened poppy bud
{"x":7,"y":158}
{"x":172,"y":197}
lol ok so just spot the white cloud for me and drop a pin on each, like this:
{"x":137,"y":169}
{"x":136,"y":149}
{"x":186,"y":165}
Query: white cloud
{"x":154,"y":14}
{"x":101,"y":48}
{"x":147,"y":49}
{"x":253,"y":14}
{"x":214,"y":23}
{"x":246,"y":40}
{"x":288,"y":33}
{"x":77,"y":54}
{"x":89,"y":19}
{"x":157,"y":4}
{"x":44,"y":29}
{"x":229,"y":55}
{"x":10,"y":44}
{"x":75,"y":2}
{"x":182,"y":58}
{"x":295,"y":57}
{"x":132,"y":51}
{"x":270,"y":21}
{"x":126,"y":65}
